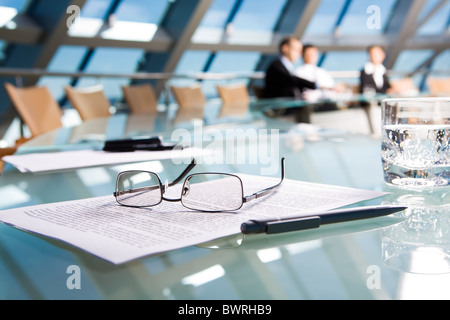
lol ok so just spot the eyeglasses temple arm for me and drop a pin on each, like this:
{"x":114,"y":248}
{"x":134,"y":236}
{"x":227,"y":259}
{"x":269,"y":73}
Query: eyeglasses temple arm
{"x":184,"y":173}
{"x":121,"y":193}
{"x":267,"y":191}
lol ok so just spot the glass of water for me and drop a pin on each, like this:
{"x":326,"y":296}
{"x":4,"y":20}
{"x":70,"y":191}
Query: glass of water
{"x":416,"y":141}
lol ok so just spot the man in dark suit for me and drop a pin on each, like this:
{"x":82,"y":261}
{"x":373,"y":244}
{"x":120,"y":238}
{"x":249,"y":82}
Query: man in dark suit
{"x":280,"y":80}
{"x":373,"y":77}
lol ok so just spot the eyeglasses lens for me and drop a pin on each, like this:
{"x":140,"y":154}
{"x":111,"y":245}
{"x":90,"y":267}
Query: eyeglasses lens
{"x":138,"y":189}
{"x":212,"y":192}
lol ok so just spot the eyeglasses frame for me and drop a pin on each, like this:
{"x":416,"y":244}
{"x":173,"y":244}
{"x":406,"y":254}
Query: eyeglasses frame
{"x":162,"y":187}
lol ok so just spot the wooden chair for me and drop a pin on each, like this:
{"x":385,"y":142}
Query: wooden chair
{"x":404,"y":86}
{"x":5,"y":152}
{"x":189,"y":97}
{"x":235,"y":100}
{"x":232,"y":94}
{"x":37,"y":108}
{"x":439,"y":86}
{"x":91,"y":102}
{"x":141,"y":99}
{"x":188,"y":115}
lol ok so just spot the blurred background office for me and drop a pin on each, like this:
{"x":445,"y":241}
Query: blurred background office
{"x":52,"y":42}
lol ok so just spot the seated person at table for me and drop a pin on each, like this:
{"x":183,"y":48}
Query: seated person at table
{"x":310,"y":71}
{"x":280,"y":80}
{"x":326,"y":86}
{"x":373,"y":77}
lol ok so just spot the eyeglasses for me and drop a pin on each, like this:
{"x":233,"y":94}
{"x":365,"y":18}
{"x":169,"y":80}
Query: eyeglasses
{"x":208,"y":192}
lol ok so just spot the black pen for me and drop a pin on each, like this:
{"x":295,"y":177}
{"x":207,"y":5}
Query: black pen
{"x":128,"y":145}
{"x":315,"y":220}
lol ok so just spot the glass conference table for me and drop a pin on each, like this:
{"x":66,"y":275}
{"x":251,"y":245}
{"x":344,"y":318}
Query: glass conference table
{"x":398,"y":257}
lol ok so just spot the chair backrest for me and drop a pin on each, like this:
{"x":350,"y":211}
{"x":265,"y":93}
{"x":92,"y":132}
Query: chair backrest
{"x":232,"y":94}
{"x":189,"y":97}
{"x":438,"y":86}
{"x":140,"y":98}
{"x":37,"y":108}
{"x":5,"y":152}
{"x":90,"y":102}
{"x":404,"y":86}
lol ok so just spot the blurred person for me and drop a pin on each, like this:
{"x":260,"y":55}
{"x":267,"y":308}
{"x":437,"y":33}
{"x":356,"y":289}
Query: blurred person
{"x":373,"y":77}
{"x":310,"y":71}
{"x":326,"y":86}
{"x":280,"y":79}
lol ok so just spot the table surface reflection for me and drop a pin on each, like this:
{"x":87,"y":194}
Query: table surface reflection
{"x":397,"y":257}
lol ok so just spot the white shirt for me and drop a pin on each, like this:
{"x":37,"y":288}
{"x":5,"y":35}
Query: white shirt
{"x":376,"y":71}
{"x":316,"y":74}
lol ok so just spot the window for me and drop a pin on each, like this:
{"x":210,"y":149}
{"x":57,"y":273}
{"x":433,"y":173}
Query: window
{"x":9,"y":9}
{"x":136,"y":20}
{"x":441,"y":64}
{"x":191,"y":62}
{"x":96,"y":9}
{"x":132,"y":20}
{"x":114,"y":61}
{"x":345,"y":61}
{"x":91,"y":18}
{"x":66,"y":59}
{"x":19,"y":5}
{"x":212,"y":27}
{"x":357,"y":19}
{"x":438,"y":23}
{"x":2,"y":47}
{"x":255,"y":21}
{"x":230,"y":62}
{"x":410,"y":60}
{"x":325,"y":18}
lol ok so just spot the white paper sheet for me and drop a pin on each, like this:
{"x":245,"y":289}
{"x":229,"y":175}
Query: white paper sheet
{"x":119,"y":234}
{"x":40,"y":162}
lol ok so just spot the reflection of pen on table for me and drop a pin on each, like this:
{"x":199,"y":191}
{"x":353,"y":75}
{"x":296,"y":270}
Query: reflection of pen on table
{"x":315,"y":220}
{"x":147,"y":144}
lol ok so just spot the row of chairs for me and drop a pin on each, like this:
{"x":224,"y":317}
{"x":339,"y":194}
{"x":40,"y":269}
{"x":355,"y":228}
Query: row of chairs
{"x":439,"y":86}
{"x":192,"y":96}
{"x":436,"y":86}
{"x":41,"y":113}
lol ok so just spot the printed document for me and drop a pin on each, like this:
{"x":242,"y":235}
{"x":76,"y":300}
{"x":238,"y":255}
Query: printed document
{"x":40,"y":162}
{"x":120,"y":234}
